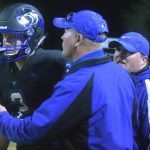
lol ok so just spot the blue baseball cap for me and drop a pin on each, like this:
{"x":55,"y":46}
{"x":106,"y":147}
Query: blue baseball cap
{"x":89,"y":23}
{"x":132,"y":42}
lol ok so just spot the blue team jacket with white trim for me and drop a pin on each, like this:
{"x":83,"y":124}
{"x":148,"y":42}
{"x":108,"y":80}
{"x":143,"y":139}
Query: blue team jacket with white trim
{"x":91,"y":108}
{"x":143,"y":96}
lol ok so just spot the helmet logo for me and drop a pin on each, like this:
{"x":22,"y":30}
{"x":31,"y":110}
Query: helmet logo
{"x":28,"y":19}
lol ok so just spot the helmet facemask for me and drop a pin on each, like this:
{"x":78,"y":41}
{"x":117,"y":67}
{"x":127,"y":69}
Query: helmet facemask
{"x":13,"y":46}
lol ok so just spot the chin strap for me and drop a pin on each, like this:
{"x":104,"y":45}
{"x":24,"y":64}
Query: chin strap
{"x":41,"y":41}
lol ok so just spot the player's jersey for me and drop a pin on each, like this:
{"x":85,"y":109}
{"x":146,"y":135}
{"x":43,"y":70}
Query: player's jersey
{"x":23,"y":91}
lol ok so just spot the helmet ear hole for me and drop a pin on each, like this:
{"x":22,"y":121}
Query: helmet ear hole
{"x":30,"y":31}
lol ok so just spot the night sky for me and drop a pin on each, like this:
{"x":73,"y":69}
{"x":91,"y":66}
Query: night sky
{"x":111,"y":10}
{"x":107,"y":8}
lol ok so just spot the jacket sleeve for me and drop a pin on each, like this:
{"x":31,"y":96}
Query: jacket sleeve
{"x":143,"y":95}
{"x":66,"y":98}
{"x":34,"y":127}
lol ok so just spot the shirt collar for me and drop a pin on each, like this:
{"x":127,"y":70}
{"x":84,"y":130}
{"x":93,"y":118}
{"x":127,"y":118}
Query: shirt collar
{"x":97,"y":53}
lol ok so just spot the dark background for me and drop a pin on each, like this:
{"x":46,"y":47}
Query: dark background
{"x":121,"y":15}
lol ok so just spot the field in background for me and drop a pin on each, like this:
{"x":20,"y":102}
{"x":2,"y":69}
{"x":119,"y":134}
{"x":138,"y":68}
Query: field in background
{"x":12,"y":146}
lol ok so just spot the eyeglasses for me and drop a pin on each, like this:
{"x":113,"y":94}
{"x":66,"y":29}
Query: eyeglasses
{"x":69,"y":17}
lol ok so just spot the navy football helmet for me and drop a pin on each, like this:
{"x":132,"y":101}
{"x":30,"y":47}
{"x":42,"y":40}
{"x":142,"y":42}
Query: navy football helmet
{"x":21,"y":31}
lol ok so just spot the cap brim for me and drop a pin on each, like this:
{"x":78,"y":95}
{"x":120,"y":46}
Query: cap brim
{"x":61,"y":23}
{"x":127,"y":46}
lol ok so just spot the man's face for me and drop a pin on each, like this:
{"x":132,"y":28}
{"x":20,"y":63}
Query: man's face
{"x":133,"y":62}
{"x":68,"y":44}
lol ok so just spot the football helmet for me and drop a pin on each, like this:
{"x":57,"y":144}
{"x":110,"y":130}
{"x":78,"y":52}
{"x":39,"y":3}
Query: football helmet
{"x":21,"y":31}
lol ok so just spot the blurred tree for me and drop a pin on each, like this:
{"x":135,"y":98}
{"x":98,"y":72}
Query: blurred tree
{"x":137,"y":17}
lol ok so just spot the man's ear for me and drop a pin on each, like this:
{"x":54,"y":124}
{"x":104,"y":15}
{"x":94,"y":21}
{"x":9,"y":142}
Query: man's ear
{"x":79,"y":39}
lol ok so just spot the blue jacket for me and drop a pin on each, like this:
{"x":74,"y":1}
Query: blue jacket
{"x":143,"y":96}
{"x":91,"y":108}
